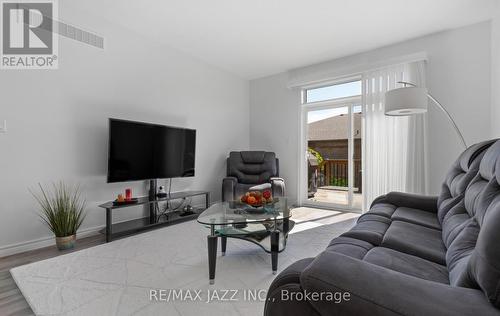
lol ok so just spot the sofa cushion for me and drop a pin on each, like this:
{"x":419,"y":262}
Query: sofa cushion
{"x":484,"y":265}
{"x":459,"y":253}
{"x":416,"y":216}
{"x":383,"y":209}
{"x":453,"y":223}
{"x":482,"y":201}
{"x":447,"y":205}
{"x":375,"y":290}
{"x":415,"y":240}
{"x":461,"y":173}
{"x":350,"y":247}
{"x":407,"y":264}
{"x":370,"y":228}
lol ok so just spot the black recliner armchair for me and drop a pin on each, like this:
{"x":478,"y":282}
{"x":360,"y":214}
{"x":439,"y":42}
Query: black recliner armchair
{"x":246,"y":169}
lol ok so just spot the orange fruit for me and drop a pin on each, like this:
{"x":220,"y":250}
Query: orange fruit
{"x":251,"y":200}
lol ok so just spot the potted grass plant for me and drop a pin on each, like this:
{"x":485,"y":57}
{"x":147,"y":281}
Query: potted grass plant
{"x":63,"y":210}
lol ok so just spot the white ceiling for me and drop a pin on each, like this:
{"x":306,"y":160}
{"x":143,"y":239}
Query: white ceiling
{"x":256,"y":38}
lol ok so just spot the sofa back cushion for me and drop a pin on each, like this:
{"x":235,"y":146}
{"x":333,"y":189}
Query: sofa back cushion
{"x":252,"y":167}
{"x":473,"y":255}
{"x":484,"y":264}
{"x":459,"y":253}
{"x":461,"y":173}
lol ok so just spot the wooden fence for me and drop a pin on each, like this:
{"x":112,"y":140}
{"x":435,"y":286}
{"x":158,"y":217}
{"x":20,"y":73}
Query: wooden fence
{"x":336,"y":173}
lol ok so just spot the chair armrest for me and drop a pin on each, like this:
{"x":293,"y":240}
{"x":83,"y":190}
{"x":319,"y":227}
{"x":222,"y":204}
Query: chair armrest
{"x":278,"y":186}
{"x":228,"y":185}
{"x":423,"y":202}
{"x":375,"y":290}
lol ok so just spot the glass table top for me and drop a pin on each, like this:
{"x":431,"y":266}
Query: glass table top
{"x":236,"y":212}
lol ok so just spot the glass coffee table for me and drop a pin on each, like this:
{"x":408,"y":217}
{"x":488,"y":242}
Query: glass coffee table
{"x":267,"y":226}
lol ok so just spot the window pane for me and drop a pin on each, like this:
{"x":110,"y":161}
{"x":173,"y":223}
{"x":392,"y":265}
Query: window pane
{"x":357,"y":109}
{"x":319,"y":115}
{"x":333,"y":92}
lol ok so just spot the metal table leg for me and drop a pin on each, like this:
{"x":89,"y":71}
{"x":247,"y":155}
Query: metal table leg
{"x":109,"y":231}
{"x":212,"y":254}
{"x":207,"y":200}
{"x":223,"y":243}
{"x":275,"y":237}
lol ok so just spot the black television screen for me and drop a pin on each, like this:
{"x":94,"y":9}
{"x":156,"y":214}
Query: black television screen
{"x":142,"y":151}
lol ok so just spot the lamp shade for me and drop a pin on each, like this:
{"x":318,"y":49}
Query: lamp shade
{"x":406,"y":101}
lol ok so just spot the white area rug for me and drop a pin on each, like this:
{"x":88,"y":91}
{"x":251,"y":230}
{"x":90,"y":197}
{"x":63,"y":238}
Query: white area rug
{"x":116,"y":278}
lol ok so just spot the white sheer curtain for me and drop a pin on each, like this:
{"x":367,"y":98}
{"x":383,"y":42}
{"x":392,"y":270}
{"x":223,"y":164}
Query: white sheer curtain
{"x":395,"y":156}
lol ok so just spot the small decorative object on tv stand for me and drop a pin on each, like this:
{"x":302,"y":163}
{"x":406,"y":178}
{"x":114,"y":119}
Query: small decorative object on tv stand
{"x":161,"y":192}
{"x":153,"y":220}
{"x":124,"y":200}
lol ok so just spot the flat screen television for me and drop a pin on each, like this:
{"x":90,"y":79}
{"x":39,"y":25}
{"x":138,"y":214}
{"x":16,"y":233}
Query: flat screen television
{"x":143,"y":151}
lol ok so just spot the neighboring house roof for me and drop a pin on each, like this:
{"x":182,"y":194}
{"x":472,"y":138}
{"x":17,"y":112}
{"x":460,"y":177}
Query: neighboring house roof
{"x":334,"y":128}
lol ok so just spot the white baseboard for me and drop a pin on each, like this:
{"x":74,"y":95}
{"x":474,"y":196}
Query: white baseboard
{"x":42,"y":242}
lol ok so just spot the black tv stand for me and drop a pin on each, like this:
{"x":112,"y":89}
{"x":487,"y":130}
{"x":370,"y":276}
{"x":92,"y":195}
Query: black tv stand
{"x":153,"y":188}
{"x":153,"y":220}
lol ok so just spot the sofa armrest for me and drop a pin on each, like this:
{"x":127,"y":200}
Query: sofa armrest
{"x":228,"y":185}
{"x":288,"y":280}
{"x":278,"y":186}
{"x":291,"y":274}
{"x":423,"y":202}
{"x":375,"y":290}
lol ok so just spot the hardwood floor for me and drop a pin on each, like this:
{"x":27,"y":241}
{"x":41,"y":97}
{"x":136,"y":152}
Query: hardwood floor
{"x":12,"y":302}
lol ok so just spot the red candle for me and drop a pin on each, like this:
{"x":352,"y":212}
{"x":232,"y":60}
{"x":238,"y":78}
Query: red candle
{"x":128,"y":194}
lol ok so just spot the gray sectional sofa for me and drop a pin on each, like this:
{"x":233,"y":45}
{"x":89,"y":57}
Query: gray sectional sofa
{"x":410,"y":254}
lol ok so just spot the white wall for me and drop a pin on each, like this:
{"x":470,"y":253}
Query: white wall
{"x":495,"y":74}
{"x":274,"y":121}
{"x":57,"y":122}
{"x":458,"y":74}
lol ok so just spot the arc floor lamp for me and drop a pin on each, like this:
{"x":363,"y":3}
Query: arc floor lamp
{"x":412,"y":100}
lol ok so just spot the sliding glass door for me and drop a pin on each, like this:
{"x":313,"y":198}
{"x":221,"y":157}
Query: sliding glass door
{"x":332,"y":142}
